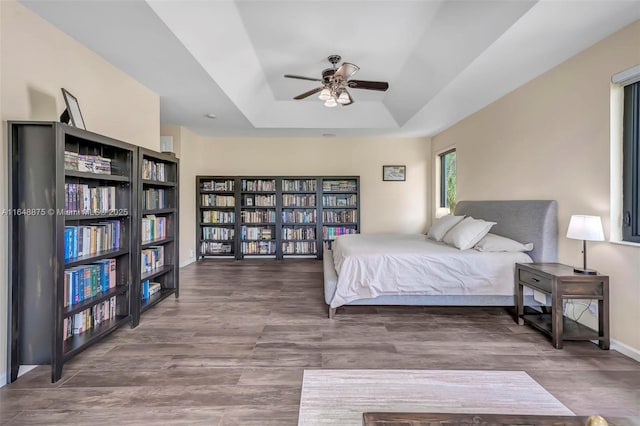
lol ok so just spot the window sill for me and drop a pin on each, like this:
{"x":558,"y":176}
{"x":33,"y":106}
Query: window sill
{"x":625,"y":243}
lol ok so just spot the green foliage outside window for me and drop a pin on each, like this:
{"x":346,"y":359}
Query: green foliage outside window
{"x":449,"y":174}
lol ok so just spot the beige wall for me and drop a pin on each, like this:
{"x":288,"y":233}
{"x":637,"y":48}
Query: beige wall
{"x":550,"y":139}
{"x":385,"y":206}
{"x":36,"y":60}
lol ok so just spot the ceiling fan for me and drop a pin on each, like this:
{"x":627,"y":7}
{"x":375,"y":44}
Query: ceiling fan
{"x":335,"y":82}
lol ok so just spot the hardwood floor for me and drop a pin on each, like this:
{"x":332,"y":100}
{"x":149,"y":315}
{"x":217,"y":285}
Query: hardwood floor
{"x":233,"y":348}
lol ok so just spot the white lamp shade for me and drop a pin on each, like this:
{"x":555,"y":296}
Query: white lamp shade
{"x":325,"y":94}
{"x":344,"y":98}
{"x":330,"y":103}
{"x":582,"y":227}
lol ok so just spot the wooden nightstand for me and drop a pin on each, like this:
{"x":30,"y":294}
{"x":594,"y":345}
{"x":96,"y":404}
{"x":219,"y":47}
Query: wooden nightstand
{"x":560,"y":282}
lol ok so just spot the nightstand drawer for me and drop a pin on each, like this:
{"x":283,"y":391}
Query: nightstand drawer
{"x":535,"y":280}
{"x":583,"y":289}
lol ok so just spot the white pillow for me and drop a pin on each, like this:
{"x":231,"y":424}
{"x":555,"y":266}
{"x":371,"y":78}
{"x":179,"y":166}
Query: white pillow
{"x":467,"y":233}
{"x":442,"y":225}
{"x":493,"y":242}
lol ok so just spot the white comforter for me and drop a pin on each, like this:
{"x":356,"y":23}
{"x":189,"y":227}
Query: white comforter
{"x":371,"y":265}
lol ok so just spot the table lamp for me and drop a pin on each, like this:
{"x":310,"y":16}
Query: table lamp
{"x":585,"y":228}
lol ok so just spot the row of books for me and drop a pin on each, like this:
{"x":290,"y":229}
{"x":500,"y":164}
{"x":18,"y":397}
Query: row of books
{"x":340,"y":200}
{"x":215,"y":216}
{"x":84,"y":282}
{"x":330,"y":232}
{"x":212,"y":233}
{"x":153,"y":228}
{"x":151,"y":259}
{"x":89,"y":318}
{"x":258,"y":247}
{"x":208,"y":247}
{"x":91,"y":239}
{"x":299,"y":185}
{"x":340,"y":216}
{"x":339,"y":186}
{"x":218,"y":185}
{"x":260,"y":216}
{"x":87,"y":163}
{"x":152,"y":170}
{"x":149,"y":288}
{"x":153,"y":199}
{"x":258,"y":185}
{"x":259,"y":200}
{"x":83,"y":199}
{"x":300,"y":247}
{"x":299,"y":233}
{"x":212,"y":200}
{"x":294,"y":200}
{"x":299,"y":216}
{"x":256,"y":233}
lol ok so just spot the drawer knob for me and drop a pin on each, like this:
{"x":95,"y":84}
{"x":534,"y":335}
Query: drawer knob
{"x":535,"y":279}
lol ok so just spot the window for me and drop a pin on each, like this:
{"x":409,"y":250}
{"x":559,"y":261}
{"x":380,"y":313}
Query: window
{"x":631,"y":164}
{"x":448,"y":179}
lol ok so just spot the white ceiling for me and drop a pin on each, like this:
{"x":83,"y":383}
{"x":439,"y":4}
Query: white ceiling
{"x":443,"y":59}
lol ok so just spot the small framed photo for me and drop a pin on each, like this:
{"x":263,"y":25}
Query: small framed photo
{"x":394,"y":173}
{"x":72,"y":115}
{"x":249,"y":202}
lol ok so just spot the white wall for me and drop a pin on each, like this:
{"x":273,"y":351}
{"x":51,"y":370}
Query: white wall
{"x":550,"y":139}
{"x":385,"y":206}
{"x":36,"y":60}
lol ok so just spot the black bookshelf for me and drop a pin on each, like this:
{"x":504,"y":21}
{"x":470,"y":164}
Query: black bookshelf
{"x":71,"y":233}
{"x":298,"y":228}
{"x":340,"y":201}
{"x":157,"y":255}
{"x":217,"y":211}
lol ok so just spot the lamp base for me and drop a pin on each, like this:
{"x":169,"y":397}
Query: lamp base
{"x":585,"y":271}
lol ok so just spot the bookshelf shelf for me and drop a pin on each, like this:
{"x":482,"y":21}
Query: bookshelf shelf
{"x":158,"y":185}
{"x":93,"y":217}
{"x":159,"y":211}
{"x":76,"y":344}
{"x":156,"y":298}
{"x":156,"y":242}
{"x":156,"y":272}
{"x":300,"y":204}
{"x":79,"y":307}
{"x":94,"y":257}
{"x":69,"y":170}
{"x":96,"y":176}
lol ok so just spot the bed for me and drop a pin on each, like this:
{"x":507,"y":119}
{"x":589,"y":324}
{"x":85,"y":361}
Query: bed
{"x":367,"y":257}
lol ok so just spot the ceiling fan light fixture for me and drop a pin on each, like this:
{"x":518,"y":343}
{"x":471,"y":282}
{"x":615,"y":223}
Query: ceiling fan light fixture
{"x":325,"y":94}
{"x":330,"y":102}
{"x":343,"y":98}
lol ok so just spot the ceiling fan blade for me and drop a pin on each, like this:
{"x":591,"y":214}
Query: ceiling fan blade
{"x":309,"y":93}
{"x":299,"y":77}
{"x":345,"y":71}
{"x":369,"y":85}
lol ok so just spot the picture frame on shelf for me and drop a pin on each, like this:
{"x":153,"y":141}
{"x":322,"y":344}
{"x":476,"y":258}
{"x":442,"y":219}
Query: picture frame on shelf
{"x":394,"y":173}
{"x":72,"y":114}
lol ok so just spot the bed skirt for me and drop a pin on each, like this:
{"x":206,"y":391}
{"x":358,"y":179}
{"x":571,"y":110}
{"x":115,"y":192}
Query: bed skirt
{"x":331,"y":280}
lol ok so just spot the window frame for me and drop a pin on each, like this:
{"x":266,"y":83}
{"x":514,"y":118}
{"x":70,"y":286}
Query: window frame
{"x":630,"y":166}
{"x":443,"y":176}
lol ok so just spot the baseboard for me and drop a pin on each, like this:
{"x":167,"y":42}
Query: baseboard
{"x":187,"y":263}
{"x":3,"y":379}
{"x":625,"y":350}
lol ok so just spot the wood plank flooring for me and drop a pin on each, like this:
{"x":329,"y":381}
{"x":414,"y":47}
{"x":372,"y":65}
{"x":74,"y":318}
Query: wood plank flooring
{"x":233,"y":348}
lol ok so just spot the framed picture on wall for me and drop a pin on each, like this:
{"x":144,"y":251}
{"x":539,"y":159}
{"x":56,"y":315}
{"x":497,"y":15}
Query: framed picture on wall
{"x":394,"y":173}
{"x":72,"y":114}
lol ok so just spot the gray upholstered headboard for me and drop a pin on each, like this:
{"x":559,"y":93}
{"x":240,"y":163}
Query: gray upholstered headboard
{"x":527,"y":221}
